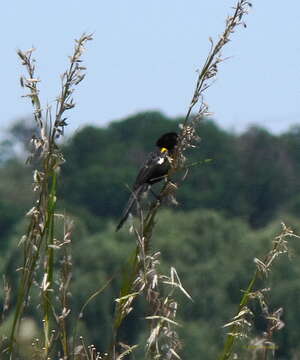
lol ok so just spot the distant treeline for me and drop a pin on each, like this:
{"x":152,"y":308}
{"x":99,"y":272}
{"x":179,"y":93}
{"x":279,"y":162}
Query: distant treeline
{"x":254,"y":175}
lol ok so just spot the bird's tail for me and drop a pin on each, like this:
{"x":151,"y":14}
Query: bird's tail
{"x":134,"y":198}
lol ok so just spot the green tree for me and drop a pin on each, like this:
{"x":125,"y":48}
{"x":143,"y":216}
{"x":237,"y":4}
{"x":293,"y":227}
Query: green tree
{"x":264,"y":180}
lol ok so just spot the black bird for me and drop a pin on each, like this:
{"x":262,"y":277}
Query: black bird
{"x":155,"y":169}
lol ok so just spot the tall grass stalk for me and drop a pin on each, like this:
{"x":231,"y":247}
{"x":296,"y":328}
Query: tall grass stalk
{"x":143,"y":276}
{"x":39,"y":241}
{"x":263,"y":268}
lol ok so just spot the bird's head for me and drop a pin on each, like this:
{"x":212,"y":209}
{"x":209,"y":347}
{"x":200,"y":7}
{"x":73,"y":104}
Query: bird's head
{"x":167,"y":141}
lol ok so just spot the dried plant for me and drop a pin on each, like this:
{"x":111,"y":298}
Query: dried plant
{"x":87,"y":352}
{"x":261,"y":346}
{"x":143,"y":276}
{"x":205,"y":78}
{"x":163,"y":341}
{"x":39,"y":243}
{"x":241,"y":323}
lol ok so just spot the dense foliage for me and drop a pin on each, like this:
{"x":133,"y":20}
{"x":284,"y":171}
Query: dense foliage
{"x":227,"y":206}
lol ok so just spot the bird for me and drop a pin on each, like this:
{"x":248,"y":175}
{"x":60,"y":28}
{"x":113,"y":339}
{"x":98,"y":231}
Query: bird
{"x":154,"y":169}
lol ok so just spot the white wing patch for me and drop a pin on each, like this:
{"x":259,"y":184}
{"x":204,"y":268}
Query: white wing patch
{"x":160,"y":160}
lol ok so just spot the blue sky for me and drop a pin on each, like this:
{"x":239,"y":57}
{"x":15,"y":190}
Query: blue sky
{"x":145,"y":54}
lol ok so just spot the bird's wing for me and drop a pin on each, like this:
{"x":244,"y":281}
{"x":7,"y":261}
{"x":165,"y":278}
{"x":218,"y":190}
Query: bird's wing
{"x":152,"y":169}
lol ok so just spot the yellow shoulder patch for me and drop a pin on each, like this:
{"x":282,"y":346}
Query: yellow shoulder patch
{"x":163,"y":149}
